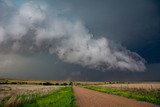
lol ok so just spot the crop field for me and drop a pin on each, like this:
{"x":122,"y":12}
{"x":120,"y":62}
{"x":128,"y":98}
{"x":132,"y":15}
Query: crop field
{"x":134,"y":85}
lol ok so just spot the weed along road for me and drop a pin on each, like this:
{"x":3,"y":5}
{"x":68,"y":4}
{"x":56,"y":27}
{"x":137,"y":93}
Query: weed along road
{"x":89,"y":98}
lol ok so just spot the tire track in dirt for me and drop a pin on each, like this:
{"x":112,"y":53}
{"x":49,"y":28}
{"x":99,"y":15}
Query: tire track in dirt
{"x":89,"y":98}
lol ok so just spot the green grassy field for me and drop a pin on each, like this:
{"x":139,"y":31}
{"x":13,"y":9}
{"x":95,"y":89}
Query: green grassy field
{"x":61,"y":94}
{"x":60,"y":98}
{"x":152,"y":96}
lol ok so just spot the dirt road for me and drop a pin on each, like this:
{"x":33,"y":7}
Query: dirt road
{"x":89,"y":98}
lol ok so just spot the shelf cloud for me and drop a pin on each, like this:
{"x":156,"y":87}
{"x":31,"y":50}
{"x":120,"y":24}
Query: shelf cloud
{"x":36,"y":27}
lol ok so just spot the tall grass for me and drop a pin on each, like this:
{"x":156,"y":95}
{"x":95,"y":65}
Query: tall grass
{"x":60,"y":98}
{"x":18,"y":100}
{"x":152,"y":96}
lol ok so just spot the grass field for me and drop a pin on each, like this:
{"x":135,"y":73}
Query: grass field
{"x":14,"y":93}
{"x":17,"y":90}
{"x":155,"y":85}
{"x":148,"y":95}
{"x":36,"y":95}
{"x":60,"y":98}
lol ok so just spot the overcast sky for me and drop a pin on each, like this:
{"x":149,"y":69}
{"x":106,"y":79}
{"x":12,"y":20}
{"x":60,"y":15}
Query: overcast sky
{"x":86,"y":40}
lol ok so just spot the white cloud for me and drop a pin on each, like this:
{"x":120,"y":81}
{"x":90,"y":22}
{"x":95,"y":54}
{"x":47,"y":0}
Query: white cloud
{"x":32,"y":12}
{"x":17,"y":28}
{"x":25,"y":19}
{"x":96,"y":53}
{"x":54,"y":29}
{"x":71,"y":41}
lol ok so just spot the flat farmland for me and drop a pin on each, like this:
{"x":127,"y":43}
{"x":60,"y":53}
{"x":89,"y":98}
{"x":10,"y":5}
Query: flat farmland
{"x":28,"y":95}
{"x":78,"y":94}
{"x":11,"y":90}
{"x":147,"y":92}
{"x":134,"y":85}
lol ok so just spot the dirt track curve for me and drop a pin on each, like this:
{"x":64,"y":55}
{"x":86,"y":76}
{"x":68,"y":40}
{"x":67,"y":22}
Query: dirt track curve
{"x":89,"y":98}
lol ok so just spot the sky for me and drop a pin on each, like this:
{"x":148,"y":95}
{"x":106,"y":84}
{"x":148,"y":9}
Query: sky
{"x":81,"y":40}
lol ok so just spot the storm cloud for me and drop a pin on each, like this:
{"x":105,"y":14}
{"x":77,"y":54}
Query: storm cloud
{"x":33,"y":28}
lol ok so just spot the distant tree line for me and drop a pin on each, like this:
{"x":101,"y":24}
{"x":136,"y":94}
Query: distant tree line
{"x":41,"y":83}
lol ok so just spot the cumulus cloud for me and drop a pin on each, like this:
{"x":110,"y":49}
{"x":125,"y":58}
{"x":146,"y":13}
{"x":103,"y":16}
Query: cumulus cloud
{"x":32,"y":12}
{"x":97,"y":53}
{"x":70,"y":40}
{"x":24,"y":19}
